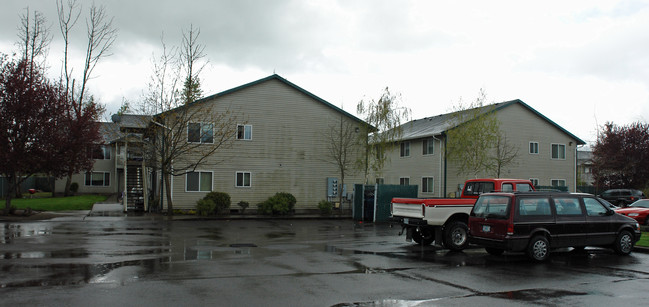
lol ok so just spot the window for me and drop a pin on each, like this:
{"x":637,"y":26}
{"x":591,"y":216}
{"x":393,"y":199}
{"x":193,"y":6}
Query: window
{"x":405,"y":149}
{"x":380,"y":181}
{"x":558,"y":151}
{"x":427,"y":185}
{"x":98,"y":179}
{"x":243,"y":179}
{"x":558,"y":182}
{"x":404,"y":181}
{"x":594,"y":208}
{"x":535,"y":181}
{"x":198,"y":182}
{"x":101,"y":152}
{"x":534,"y":148}
{"x":429,"y":146}
{"x":200,"y":133}
{"x":477,"y":188}
{"x":244,"y":132}
{"x":534,"y":206}
{"x":567,"y":206}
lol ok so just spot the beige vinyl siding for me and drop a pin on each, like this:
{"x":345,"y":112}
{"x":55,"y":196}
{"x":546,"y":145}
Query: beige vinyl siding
{"x":521,"y":126}
{"x":107,"y":165}
{"x":285,"y":153}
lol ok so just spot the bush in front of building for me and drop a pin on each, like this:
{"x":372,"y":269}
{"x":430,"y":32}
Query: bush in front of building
{"x":279,"y":204}
{"x":205,"y":207}
{"x":221,"y":201}
{"x":325,"y":207}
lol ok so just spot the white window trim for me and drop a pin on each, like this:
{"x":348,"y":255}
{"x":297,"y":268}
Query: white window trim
{"x":242,"y":186}
{"x":199,"y":181}
{"x":565,"y":182}
{"x":538,"y":148}
{"x":104,"y":179}
{"x":403,"y":144}
{"x":244,"y":132}
{"x":425,"y":142}
{"x":565,"y":153}
{"x":200,"y":133}
{"x":433,"y":185}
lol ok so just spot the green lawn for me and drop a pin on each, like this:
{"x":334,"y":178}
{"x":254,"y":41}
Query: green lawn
{"x":644,"y":239}
{"x":80,"y":202}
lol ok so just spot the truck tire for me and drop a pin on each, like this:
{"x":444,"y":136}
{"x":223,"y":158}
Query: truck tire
{"x":456,"y":236}
{"x":425,"y":236}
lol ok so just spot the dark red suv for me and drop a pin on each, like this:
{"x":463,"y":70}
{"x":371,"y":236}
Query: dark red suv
{"x":536,"y":222}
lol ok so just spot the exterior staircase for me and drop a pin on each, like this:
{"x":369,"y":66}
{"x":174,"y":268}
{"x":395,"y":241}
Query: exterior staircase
{"x":135,"y":189}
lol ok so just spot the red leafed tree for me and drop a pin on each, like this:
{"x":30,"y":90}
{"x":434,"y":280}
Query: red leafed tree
{"x":31,"y":109}
{"x":621,"y":156}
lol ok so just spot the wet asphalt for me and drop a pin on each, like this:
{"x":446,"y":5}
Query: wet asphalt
{"x":110,"y":259}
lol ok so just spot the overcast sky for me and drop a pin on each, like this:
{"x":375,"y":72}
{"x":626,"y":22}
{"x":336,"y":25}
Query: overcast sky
{"x":580,"y":63}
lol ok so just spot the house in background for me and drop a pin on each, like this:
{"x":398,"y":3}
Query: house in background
{"x":119,"y":163}
{"x":546,"y":152}
{"x":585,"y":169}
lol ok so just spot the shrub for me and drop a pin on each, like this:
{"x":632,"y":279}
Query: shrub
{"x":205,"y":207}
{"x":280,"y":204}
{"x":325,"y":207}
{"x":243,"y":205}
{"x":74,"y":187}
{"x":221,"y":201}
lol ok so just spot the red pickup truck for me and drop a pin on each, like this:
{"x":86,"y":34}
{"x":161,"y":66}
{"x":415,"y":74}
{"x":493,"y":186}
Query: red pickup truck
{"x":444,"y":220}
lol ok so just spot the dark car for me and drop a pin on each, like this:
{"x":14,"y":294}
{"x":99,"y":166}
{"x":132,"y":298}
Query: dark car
{"x":622,"y":197}
{"x":536,"y":222}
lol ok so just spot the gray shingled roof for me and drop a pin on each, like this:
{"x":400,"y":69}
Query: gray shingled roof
{"x":436,"y":125}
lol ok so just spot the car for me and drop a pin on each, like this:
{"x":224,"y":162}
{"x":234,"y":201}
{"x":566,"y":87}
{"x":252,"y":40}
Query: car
{"x":622,"y":197}
{"x":638,"y":210}
{"x":537,"y":222}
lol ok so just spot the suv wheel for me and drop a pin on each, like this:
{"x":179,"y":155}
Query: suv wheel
{"x":539,"y":248}
{"x":456,"y":236}
{"x":424,"y":236}
{"x":624,"y":243}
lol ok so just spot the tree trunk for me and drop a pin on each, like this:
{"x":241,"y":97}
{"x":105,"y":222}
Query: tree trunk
{"x":170,"y":208}
{"x":68,"y":182}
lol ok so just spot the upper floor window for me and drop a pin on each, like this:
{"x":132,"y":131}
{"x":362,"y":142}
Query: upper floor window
{"x":200,"y":133}
{"x":101,"y":152}
{"x":559,"y":151}
{"x":405,"y":149}
{"x":429,"y":146}
{"x":244,"y":132}
{"x":534,"y":147}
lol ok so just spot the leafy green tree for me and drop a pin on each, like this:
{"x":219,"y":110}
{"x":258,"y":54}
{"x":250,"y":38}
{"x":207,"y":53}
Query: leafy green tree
{"x":470,"y":140}
{"x":384,"y":118}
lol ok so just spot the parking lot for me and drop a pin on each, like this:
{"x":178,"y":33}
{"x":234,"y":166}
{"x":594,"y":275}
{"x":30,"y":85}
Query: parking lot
{"x":153,"y":261}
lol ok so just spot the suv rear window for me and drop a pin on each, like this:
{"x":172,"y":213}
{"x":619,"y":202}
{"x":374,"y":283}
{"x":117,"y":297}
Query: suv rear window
{"x":492,"y":206}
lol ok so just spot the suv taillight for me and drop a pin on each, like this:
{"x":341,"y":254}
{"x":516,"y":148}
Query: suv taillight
{"x":510,"y":229}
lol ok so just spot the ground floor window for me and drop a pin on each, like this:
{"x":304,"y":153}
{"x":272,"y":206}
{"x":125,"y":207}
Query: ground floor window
{"x":243,"y":179}
{"x":98,"y":179}
{"x":427,"y":185}
{"x":404,"y":181}
{"x":198,"y":182}
{"x":558,"y":182}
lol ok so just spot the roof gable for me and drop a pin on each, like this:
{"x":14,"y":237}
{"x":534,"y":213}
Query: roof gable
{"x":290,"y":84}
{"x":437,"y":125}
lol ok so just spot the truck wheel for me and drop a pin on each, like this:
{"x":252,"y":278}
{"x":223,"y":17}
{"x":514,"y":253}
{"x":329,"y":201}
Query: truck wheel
{"x":456,"y":236}
{"x":624,"y":243}
{"x":424,"y":236}
{"x":539,"y":248}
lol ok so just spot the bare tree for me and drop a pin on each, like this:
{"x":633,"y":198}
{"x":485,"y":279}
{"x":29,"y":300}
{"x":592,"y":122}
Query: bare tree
{"x":183,"y":136}
{"x":34,"y":38}
{"x":191,"y":54}
{"x":84,"y":112}
{"x":344,"y":144}
{"x":505,"y":154}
